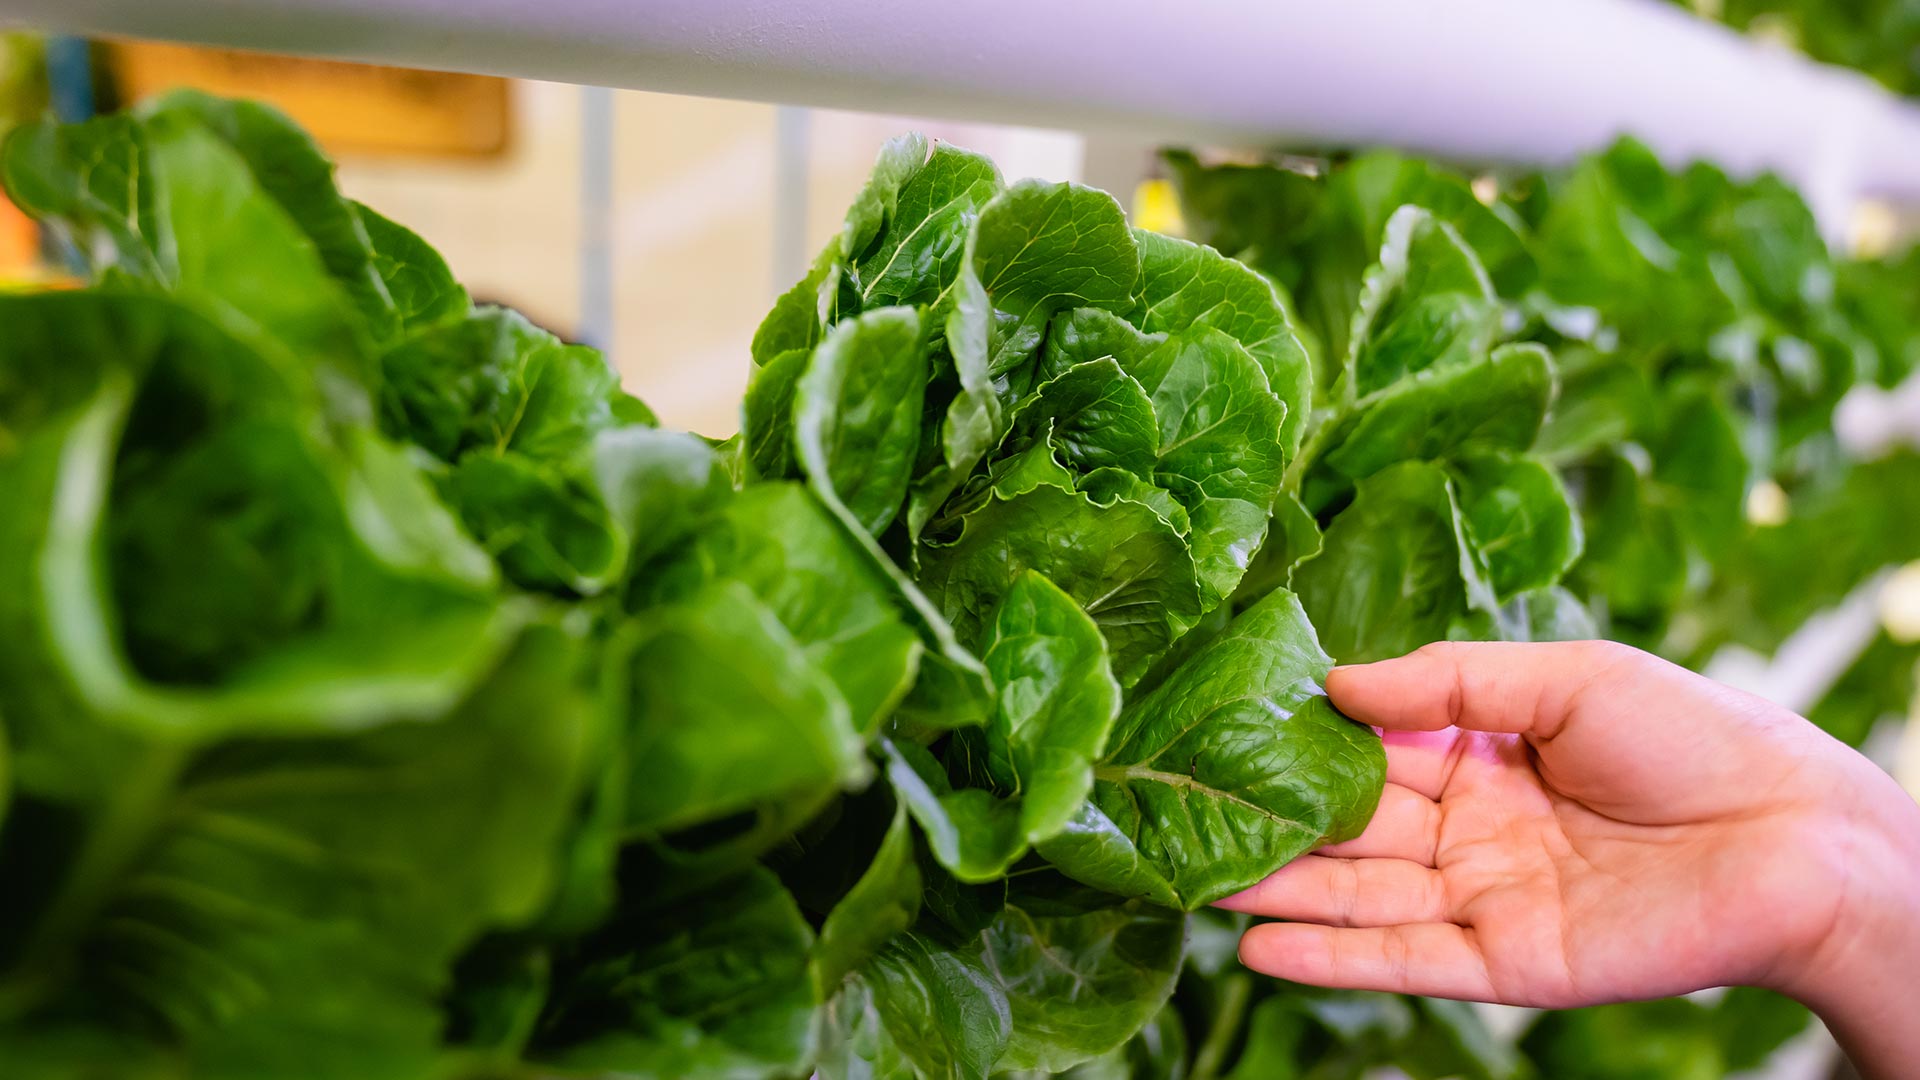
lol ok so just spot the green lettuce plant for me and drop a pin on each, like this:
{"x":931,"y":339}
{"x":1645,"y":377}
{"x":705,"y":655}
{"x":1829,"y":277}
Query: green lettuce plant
{"x":1698,"y":336}
{"x":387,"y":694}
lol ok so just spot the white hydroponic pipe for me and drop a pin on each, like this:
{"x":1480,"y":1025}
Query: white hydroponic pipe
{"x":1534,"y":81}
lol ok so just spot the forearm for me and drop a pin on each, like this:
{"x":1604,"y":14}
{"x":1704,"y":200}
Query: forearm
{"x":1862,"y":982}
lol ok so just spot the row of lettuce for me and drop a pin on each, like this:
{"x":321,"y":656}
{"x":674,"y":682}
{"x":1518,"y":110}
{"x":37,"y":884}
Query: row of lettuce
{"x":1701,"y":336}
{"x":387,"y":694}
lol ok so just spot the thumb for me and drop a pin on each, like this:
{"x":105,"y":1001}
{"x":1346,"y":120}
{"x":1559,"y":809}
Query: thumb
{"x":1526,"y":689}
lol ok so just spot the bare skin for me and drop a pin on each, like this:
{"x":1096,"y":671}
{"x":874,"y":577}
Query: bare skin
{"x":1580,"y":823}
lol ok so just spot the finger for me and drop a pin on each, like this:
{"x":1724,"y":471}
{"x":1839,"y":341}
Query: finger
{"x":1348,"y":892}
{"x":1485,"y":686}
{"x":1429,"y":959}
{"x":1422,"y":761}
{"x":1405,"y":826}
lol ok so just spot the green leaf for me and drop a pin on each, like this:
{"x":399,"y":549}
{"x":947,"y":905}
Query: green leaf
{"x":1236,"y":207}
{"x":1293,"y":537}
{"x":289,"y":167}
{"x":1220,"y":453}
{"x":1122,"y":563}
{"x":1701,"y":472}
{"x":1035,"y":249}
{"x":585,"y":883}
{"x":1397,"y":570}
{"x":1036,"y":466}
{"x":1636,"y":554}
{"x":1551,"y":614}
{"x":1604,"y":400}
{"x":1427,"y":303}
{"x":882,"y":903}
{"x":1358,"y":1016}
{"x":1372,"y":186}
{"x":779,"y":543}
{"x":975,"y":834}
{"x":1840,"y":529}
{"x":417,"y":279}
{"x":234,"y":251}
{"x":1753,"y":1023}
{"x":697,"y":857}
{"x":1056,"y":704}
{"x":1230,"y":768}
{"x":1083,"y":335}
{"x":515,"y":412}
{"x":1080,"y":982}
{"x":657,"y":486}
{"x":725,"y":710}
{"x":766,"y":416}
{"x":547,"y":531}
{"x":952,"y":690}
{"x":1097,"y":415}
{"x":906,"y":233}
{"x":1494,"y":404}
{"x":1275,"y":1032}
{"x":290,"y":907}
{"x":1879,"y":684}
{"x":714,"y":985}
{"x":92,"y":181}
{"x":495,"y":381}
{"x":1318,"y":234}
{"x":903,"y":242}
{"x":856,"y":412}
{"x":1672,"y":1039}
{"x":1106,"y":486}
{"x":270,"y":579}
{"x":1451,"y":1040}
{"x":499,"y":988}
{"x":1039,"y":248}
{"x":802,"y":314}
{"x":916,"y":1011}
{"x":1521,"y":522}
{"x":1157,"y":1052}
{"x":571,"y":396}
{"x":1184,"y":285}
{"x":1600,"y":244}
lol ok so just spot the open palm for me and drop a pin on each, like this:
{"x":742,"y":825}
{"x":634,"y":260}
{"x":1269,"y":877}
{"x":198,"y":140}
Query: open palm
{"x":1565,"y":825}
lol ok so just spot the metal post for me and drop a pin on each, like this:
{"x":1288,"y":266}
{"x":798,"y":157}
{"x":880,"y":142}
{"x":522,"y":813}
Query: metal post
{"x":596,"y":220}
{"x":792,"y":146}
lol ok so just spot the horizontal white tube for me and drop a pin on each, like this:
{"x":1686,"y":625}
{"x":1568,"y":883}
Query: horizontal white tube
{"x":1531,"y":81}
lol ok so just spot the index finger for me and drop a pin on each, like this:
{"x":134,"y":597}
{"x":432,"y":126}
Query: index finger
{"x":1511,"y":687}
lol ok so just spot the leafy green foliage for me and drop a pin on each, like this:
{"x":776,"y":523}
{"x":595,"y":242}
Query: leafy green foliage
{"x":1673,"y":1038}
{"x":386,"y":694}
{"x":713,"y":985}
{"x":1541,"y":416}
{"x":1080,"y":977}
{"x":1195,"y":798}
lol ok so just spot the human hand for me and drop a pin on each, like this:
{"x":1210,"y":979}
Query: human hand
{"x":1569,"y":824}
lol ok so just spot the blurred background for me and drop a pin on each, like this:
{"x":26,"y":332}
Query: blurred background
{"x":656,"y":227}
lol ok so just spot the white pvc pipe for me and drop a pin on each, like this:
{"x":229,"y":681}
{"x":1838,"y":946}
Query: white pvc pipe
{"x":1813,"y":658}
{"x":1533,"y":81}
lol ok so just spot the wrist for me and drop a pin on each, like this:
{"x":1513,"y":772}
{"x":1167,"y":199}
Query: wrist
{"x":1863,"y":966}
